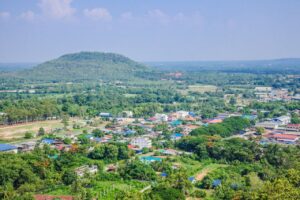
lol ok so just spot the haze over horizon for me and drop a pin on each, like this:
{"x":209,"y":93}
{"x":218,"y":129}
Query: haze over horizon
{"x":200,"y":30}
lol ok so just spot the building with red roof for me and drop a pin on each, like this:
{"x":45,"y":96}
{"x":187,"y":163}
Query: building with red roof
{"x":284,"y":138}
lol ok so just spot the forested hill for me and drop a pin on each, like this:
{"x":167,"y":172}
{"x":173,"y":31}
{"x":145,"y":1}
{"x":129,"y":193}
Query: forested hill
{"x":86,"y":66}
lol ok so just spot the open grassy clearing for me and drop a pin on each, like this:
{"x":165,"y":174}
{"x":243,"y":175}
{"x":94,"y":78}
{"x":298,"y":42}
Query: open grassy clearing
{"x":198,"y":89}
{"x":207,"y":169}
{"x":105,"y":190}
{"x":18,"y":131}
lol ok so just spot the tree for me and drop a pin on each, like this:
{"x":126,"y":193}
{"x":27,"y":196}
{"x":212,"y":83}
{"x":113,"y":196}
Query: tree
{"x":260,"y":130}
{"x":136,"y":169}
{"x":232,"y":101}
{"x":28,"y":135}
{"x":41,"y":131}
{"x":65,"y":121}
{"x":67,"y":141}
{"x":69,"y":177}
{"x":98,"y":133}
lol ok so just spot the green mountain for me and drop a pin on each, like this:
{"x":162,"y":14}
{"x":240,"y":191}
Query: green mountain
{"x":86,"y":66}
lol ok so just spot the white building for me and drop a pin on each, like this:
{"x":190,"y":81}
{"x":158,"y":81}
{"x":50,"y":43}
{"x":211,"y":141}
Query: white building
{"x":85,"y":169}
{"x":263,"y":89}
{"x":283,"y":120}
{"x":267,"y":125}
{"x":161,"y":117}
{"x":182,"y":114}
{"x":141,"y":142}
{"x":128,"y":114}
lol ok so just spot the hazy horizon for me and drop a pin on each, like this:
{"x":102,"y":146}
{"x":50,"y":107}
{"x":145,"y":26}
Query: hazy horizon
{"x":150,"y":31}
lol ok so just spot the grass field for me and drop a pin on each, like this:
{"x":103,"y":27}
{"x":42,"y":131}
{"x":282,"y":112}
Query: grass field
{"x":18,"y":131}
{"x":105,"y":190}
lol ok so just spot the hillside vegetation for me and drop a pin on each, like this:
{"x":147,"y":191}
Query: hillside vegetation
{"x":86,"y":66}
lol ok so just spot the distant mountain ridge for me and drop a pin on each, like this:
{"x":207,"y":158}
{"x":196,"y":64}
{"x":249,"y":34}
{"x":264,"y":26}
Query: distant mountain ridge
{"x":291,"y":65}
{"x":85,"y":66}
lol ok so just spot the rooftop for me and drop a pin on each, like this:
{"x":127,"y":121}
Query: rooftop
{"x":7,"y":147}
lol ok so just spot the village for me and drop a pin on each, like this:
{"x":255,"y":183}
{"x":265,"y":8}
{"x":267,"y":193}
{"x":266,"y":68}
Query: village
{"x":140,"y":134}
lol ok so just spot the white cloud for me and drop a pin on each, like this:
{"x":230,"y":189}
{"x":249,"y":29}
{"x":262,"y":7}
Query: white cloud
{"x":4,"y":15}
{"x":159,"y":15}
{"x":98,"y":14}
{"x":28,"y":15}
{"x":57,"y":9}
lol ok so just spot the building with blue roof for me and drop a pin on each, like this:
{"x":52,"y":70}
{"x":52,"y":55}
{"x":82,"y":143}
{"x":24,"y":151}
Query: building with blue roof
{"x":176,"y":136}
{"x":150,"y":159}
{"x":192,"y":179}
{"x":216,"y":183}
{"x":8,"y":148}
{"x":176,"y":123}
{"x":48,"y":141}
{"x":129,"y":132}
{"x":163,"y":174}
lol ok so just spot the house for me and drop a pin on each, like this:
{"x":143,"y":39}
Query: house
{"x":163,"y":174}
{"x":176,"y":123}
{"x":52,"y":197}
{"x":267,"y":125}
{"x":105,"y":115}
{"x":182,"y":114}
{"x":7,"y":148}
{"x":192,"y":179}
{"x":127,"y":114}
{"x":189,"y":127}
{"x":27,"y":146}
{"x":111,"y":168}
{"x":283,"y":120}
{"x":48,"y":141}
{"x":150,"y":159}
{"x":263,"y":89}
{"x":284,"y":138}
{"x":161,"y":117}
{"x":216,"y":183}
{"x":86,"y":169}
{"x":141,"y":142}
{"x":171,"y":152}
{"x":223,"y":115}
{"x":293,"y":127}
{"x":190,"y":118}
{"x":176,"y":136}
{"x":213,"y":121}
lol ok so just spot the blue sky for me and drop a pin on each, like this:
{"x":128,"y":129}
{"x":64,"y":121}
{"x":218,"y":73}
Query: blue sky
{"x":150,"y":30}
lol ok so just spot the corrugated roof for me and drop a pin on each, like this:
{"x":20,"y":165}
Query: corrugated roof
{"x":7,"y":147}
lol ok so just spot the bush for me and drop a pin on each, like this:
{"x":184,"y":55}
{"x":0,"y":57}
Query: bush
{"x":199,"y":194}
{"x":28,"y":135}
